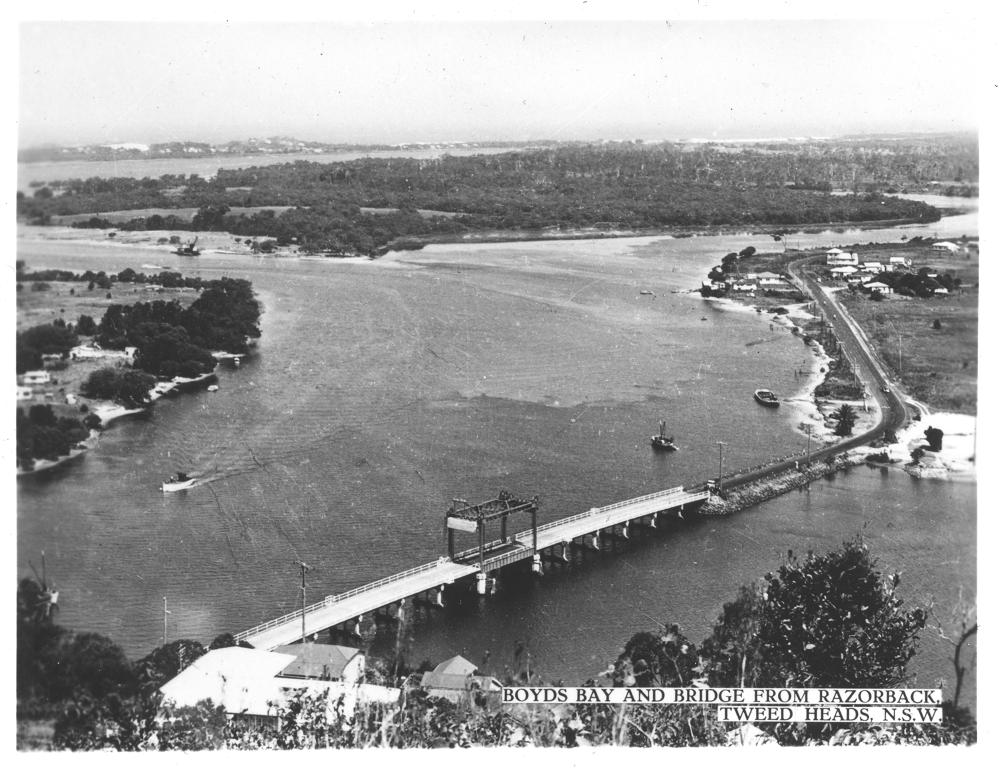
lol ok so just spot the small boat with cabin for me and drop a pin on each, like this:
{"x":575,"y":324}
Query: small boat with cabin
{"x":178,"y":482}
{"x":663,"y":441}
{"x":766,"y":398}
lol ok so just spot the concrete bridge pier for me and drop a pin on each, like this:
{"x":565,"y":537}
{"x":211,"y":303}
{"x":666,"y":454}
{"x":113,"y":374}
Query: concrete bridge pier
{"x":481,"y":582}
{"x":595,"y":540}
{"x":536,"y":564}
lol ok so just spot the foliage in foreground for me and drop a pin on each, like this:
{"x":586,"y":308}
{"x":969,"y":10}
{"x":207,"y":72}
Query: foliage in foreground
{"x":830,"y":620}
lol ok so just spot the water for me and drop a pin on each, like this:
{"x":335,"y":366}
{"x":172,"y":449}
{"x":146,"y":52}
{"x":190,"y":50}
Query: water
{"x":380,"y":391}
{"x":208,"y":166}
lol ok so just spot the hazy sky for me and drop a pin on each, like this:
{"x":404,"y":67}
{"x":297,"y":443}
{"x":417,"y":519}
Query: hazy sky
{"x":91,"y":82}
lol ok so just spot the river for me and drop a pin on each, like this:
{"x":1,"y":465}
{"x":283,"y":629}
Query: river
{"x":380,"y":391}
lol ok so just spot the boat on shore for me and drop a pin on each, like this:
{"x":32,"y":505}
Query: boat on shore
{"x":663,"y":441}
{"x":178,"y":482}
{"x":766,"y":398}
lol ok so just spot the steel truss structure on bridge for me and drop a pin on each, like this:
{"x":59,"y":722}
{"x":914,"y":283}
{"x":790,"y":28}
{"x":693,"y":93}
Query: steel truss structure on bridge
{"x":462,"y":516}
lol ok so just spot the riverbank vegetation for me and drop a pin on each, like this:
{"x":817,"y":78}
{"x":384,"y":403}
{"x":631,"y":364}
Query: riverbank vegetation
{"x":363,"y":206}
{"x":82,"y":693}
{"x":41,"y":434}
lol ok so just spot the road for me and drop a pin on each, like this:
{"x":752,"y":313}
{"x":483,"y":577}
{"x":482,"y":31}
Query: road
{"x":893,"y":409}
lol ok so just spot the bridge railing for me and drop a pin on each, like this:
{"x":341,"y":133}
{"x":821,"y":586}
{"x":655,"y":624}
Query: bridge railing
{"x":580,"y":516}
{"x":332,"y":599}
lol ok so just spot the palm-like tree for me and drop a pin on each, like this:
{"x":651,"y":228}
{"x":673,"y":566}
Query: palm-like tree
{"x":846,"y":418}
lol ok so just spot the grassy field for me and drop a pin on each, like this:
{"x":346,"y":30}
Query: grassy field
{"x":939,"y":367}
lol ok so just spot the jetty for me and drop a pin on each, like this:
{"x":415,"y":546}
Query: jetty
{"x":347,"y":611}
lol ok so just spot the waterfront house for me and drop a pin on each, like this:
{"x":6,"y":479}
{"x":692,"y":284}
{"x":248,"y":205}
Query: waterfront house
{"x":945,"y":247}
{"x":324,"y":662}
{"x":455,"y":679}
{"x":249,"y":684}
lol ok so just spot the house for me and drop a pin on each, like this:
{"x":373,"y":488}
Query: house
{"x":942,"y":291}
{"x":881,"y":288}
{"x":24,"y":393}
{"x":873,"y":267}
{"x":51,"y":357}
{"x":837,"y":258}
{"x":853,"y":280}
{"x":899,"y":261}
{"x":945,"y":247}
{"x":35,"y":378}
{"x":249,"y":684}
{"x":324,"y":662}
{"x":766,"y":278}
{"x":454,"y":678}
{"x":843,"y":272}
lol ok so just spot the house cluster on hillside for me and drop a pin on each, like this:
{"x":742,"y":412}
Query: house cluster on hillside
{"x":873,"y":276}
{"x":253,"y":684}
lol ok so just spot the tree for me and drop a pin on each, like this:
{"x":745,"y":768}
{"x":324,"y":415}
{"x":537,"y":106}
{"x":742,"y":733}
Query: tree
{"x":935,"y":437}
{"x":936,"y":325}
{"x":828,"y":621}
{"x":125,"y":386}
{"x":85,"y":326}
{"x":657,"y":659}
{"x":846,"y":418}
{"x":748,"y":251}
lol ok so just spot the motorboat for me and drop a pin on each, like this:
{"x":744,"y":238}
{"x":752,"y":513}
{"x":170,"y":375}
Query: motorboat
{"x":178,"y":482}
{"x":766,"y":398}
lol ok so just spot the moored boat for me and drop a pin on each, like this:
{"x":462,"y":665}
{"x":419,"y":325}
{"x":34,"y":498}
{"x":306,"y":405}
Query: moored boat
{"x":178,"y":482}
{"x":766,"y":398}
{"x":663,"y":441}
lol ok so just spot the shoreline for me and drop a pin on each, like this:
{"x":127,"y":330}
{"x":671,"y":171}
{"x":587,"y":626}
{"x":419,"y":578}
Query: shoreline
{"x":109,"y":411}
{"x":420,"y":242}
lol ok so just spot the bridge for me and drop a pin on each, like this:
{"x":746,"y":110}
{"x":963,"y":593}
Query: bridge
{"x":348,"y":609}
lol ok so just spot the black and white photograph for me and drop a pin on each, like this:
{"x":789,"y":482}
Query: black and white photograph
{"x":536,"y":379}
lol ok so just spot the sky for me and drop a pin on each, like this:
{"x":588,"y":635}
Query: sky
{"x":455,"y":80}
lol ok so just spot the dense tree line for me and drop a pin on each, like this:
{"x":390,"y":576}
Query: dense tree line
{"x":605,"y":186}
{"x":102,"y":280}
{"x":45,"y":339}
{"x":43,"y":435}
{"x":822,"y":621}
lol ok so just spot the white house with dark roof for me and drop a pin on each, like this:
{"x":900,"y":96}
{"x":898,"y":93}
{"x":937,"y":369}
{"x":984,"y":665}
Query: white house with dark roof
{"x":837,"y":258}
{"x":945,"y":247}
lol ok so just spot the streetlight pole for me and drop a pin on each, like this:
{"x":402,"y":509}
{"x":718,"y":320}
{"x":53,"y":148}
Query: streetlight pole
{"x":900,"y":354}
{"x":809,"y":437}
{"x":165,"y":613}
{"x":304,"y":568}
{"x":721,"y":444}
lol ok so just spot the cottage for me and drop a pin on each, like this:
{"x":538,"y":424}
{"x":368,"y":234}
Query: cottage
{"x":945,"y":247}
{"x":899,"y":261}
{"x":24,"y":393}
{"x":873,"y":267}
{"x":837,"y":258}
{"x":766,"y":279}
{"x":881,"y":288}
{"x":245,"y":682}
{"x":324,"y":662}
{"x":843,"y":272}
{"x":941,"y":291}
{"x":454,"y":678}
{"x":35,"y":378}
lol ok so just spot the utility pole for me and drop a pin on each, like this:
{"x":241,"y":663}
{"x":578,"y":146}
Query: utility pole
{"x":721,"y":444}
{"x":809,"y":438}
{"x":900,"y":354}
{"x":304,"y":568}
{"x":165,"y":613}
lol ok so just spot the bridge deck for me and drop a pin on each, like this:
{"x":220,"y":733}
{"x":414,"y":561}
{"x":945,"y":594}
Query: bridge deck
{"x":334,"y":610}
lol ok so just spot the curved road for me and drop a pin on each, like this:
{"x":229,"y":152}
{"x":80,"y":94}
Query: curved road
{"x":870,"y":373}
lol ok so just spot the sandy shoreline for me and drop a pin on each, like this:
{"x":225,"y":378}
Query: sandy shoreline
{"x":955,"y":461}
